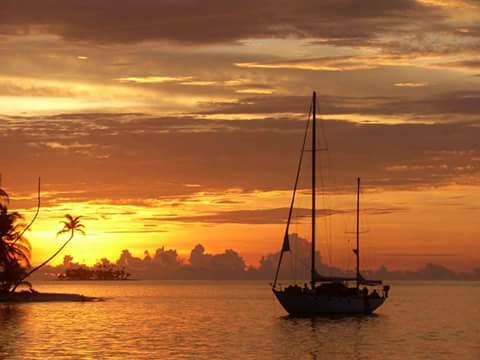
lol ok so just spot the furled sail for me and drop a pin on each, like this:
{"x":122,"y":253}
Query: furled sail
{"x":286,"y":244}
{"x":363,"y":281}
{"x":318,"y":278}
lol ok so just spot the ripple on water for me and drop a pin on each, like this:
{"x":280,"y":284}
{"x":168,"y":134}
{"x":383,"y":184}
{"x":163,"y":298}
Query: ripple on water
{"x":217,"y":320}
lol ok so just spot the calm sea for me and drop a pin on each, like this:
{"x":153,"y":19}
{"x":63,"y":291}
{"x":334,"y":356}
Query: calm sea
{"x":238,"y":320}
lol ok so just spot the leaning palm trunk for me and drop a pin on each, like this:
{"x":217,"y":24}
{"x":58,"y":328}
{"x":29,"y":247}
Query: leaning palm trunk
{"x":71,"y":226}
{"x":43,"y":263}
{"x":20,"y":235}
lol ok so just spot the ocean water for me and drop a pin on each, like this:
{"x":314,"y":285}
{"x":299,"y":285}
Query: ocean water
{"x":238,"y":320}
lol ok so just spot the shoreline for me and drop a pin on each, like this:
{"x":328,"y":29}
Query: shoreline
{"x":29,"y":297}
{"x":92,"y":279}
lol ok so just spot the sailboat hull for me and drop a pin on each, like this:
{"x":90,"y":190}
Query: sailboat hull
{"x":320,"y":304}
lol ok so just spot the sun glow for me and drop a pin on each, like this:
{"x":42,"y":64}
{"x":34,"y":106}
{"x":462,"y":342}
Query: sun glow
{"x":213,"y":218}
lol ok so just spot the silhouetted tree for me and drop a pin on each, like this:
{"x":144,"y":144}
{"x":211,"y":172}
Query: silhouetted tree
{"x":71,"y":226}
{"x":102,"y":270}
{"x":14,"y":247}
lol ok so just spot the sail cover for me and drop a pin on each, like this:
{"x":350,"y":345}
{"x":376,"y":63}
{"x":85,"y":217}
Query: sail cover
{"x":319,"y":277}
{"x":361,"y":280}
{"x":364,"y":281}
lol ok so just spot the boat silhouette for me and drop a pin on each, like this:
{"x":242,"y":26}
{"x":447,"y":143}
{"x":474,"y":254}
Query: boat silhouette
{"x":326,"y":295}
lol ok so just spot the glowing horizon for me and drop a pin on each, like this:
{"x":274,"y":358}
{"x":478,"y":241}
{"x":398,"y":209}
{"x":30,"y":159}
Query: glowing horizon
{"x":186,"y":131}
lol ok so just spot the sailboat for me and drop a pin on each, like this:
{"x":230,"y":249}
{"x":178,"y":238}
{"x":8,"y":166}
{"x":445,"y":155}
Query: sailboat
{"x":326,"y":295}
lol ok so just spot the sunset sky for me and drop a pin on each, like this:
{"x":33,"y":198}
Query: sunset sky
{"x":177,"y":122}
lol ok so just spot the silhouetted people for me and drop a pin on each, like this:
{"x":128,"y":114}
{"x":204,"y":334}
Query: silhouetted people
{"x":386,"y":289}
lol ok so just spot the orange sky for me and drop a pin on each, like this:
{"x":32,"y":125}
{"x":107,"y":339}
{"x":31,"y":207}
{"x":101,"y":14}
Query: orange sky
{"x":173,"y":123}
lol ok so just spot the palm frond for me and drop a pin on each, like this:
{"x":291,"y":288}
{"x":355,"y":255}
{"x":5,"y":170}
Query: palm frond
{"x":63,"y":231}
{"x":4,"y":198}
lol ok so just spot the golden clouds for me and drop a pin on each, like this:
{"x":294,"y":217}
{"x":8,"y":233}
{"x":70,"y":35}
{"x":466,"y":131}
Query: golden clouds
{"x":153,"y":79}
{"x":374,"y":60}
{"x":327,"y":64}
{"x":185,"y":112}
{"x":230,"y":216}
{"x":411,"y":84}
{"x":255,"y":91}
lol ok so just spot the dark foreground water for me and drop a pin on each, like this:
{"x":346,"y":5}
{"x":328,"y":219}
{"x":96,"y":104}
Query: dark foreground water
{"x":238,"y":320}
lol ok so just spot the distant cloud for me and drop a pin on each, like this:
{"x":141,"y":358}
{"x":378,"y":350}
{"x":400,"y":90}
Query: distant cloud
{"x":258,"y":216}
{"x":377,"y":59}
{"x":255,"y":91}
{"x":469,"y":65}
{"x":153,"y":79}
{"x":384,"y":211}
{"x":229,"y":265}
{"x":457,"y":103}
{"x":343,"y":63}
{"x":199,"y":83}
{"x":437,"y":153}
{"x":426,"y":255}
{"x":74,"y":146}
{"x":187,"y":23}
{"x":411,"y":84}
{"x":134,"y":231}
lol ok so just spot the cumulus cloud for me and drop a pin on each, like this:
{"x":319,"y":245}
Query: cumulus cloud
{"x":229,"y":265}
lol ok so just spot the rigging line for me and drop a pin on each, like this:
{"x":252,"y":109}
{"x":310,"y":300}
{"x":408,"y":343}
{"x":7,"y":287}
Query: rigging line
{"x":301,"y":258}
{"x":293,"y":252}
{"x":326,"y":203}
{"x":322,"y":128}
{"x":323,"y":191}
{"x":366,"y":224}
{"x":292,"y":275}
{"x":332,"y":174}
{"x":346,"y":258}
{"x":366,"y":227}
{"x":293,"y":198}
{"x":19,"y":236}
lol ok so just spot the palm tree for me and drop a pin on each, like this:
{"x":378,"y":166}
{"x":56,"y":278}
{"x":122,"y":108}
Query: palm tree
{"x":71,"y":226}
{"x":14,"y":247}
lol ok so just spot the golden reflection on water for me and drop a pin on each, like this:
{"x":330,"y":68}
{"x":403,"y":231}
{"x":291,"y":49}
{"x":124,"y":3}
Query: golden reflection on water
{"x":238,"y":320}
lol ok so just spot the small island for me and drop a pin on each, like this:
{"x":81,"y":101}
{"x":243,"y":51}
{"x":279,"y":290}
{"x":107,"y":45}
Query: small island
{"x":15,"y":255}
{"x":102,"y":271}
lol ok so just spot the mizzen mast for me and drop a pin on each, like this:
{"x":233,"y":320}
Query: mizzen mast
{"x":314,"y":186}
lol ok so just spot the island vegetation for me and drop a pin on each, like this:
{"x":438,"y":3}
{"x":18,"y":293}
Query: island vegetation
{"x":15,"y":254}
{"x":103,"y":270}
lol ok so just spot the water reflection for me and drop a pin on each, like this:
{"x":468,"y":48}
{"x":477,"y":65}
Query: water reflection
{"x":220,"y":320}
{"x":10,"y":313}
{"x":11,"y":319}
{"x":343,"y":336}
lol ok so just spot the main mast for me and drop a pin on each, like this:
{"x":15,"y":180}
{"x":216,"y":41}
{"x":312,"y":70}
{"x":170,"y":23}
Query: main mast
{"x":314,"y":186}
